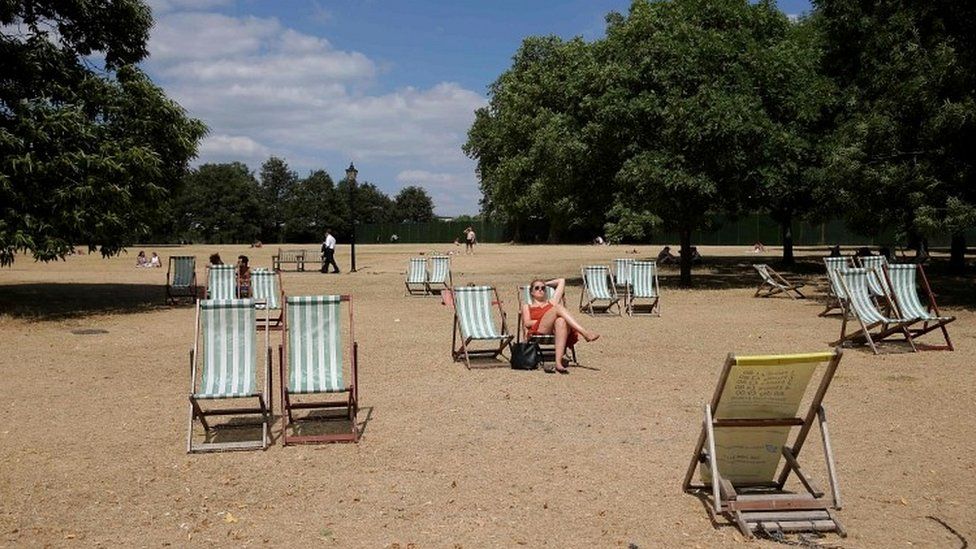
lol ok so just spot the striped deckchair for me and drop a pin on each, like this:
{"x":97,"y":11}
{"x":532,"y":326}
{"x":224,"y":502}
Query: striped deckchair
{"x":752,"y":433}
{"x":221,"y":282}
{"x":773,"y":283}
{"x":598,"y":287}
{"x":903,"y":284}
{"x":312,"y":371}
{"x":181,"y":277}
{"x":268,"y":296}
{"x":621,"y":272}
{"x":440,"y":274}
{"x":417,"y":276}
{"x":644,"y":285}
{"x":474,"y":321}
{"x":877,"y":283}
{"x":547,"y":342}
{"x":227,"y":348}
{"x":855,"y":284}
{"x":836,"y":298}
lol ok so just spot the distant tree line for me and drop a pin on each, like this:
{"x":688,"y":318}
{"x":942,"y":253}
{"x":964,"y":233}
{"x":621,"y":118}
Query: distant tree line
{"x":227,"y":203}
{"x":692,"y":108}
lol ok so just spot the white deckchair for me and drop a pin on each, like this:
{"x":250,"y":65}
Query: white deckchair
{"x":268,"y":295}
{"x":440,"y":273}
{"x":181,"y":277}
{"x":221,"y":282}
{"x":417,"y":276}
{"x":599,"y":291}
{"x":836,"y":298}
{"x":903,"y":284}
{"x":473,"y":321}
{"x":859,"y":303}
{"x":226,"y":346}
{"x":877,"y":283}
{"x":773,"y":283}
{"x":312,"y":370}
{"x":644,"y":285}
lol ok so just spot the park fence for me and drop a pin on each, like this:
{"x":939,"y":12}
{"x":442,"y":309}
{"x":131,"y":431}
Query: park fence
{"x":742,"y":231}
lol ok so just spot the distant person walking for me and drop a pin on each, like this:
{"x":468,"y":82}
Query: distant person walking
{"x":328,"y":253}
{"x":469,"y":240}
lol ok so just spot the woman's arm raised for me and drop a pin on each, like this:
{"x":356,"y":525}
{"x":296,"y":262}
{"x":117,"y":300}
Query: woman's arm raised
{"x":560,"y":285}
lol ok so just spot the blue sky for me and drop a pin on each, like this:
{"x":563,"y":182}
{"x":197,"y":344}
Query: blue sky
{"x":389,"y":84}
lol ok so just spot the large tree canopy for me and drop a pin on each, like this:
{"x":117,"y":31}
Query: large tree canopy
{"x":413,"y":204}
{"x":87,"y":155}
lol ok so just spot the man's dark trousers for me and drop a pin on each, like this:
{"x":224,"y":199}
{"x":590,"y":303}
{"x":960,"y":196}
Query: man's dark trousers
{"x":329,"y":260}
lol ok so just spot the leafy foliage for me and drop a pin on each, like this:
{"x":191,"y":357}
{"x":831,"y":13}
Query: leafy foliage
{"x":220,"y":203}
{"x":413,"y":204}
{"x":87,"y":156}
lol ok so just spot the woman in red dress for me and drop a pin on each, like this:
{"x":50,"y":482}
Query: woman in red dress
{"x":544,"y":317}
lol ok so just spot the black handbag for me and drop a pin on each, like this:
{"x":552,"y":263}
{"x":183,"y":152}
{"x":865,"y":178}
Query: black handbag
{"x":526,"y":355}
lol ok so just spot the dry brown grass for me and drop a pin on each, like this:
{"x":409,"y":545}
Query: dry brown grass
{"x":92,"y":442}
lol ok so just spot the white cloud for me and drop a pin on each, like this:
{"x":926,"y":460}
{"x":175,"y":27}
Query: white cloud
{"x":163,"y":6}
{"x":264,"y":88}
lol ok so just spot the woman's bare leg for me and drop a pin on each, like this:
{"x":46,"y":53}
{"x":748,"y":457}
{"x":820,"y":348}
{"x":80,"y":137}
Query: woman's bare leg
{"x":562,"y":334}
{"x":548,"y":321}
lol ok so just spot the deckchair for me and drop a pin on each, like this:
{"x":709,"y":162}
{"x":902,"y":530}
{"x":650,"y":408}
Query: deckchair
{"x":311,"y":362}
{"x":621,"y":272}
{"x":547,"y":342}
{"x":181,"y":277}
{"x":644,"y":285}
{"x":746,"y":435}
{"x":599,"y":291}
{"x":440,"y":273}
{"x":473,"y":321}
{"x":902,"y":278}
{"x":862,"y":307}
{"x":227,"y":349}
{"x":836,"y":298}
{"x":877,"y":282}
{"x":221,"y":282}
{"x":417,"y":276}
{"x":773,"y":283}
{"x":267,"y":292}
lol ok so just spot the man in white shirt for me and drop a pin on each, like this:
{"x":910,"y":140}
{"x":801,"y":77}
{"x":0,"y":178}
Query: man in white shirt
{"x":328,"y":253}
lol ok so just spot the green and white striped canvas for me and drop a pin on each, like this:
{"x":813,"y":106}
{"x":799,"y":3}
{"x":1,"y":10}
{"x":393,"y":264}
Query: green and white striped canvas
{"x":903,"y":286}
{"x":643,"y":279}
{"x":876,"y":282}
{"x":183,"y":269}
{"x":264,"y":286}
{"x":763,"y":271}
{"x":229,"y":348}
{"x":417,"y":272}
{"x":859,"y":296}
{"x":526,"y":293}
{"x":314,"y":344}
{"x":440,"y":266}
{"x":834,"y":265}
{"x":596,"y":281}
{"x":622,"y":271}
{"x":221,"y":282}
{"x":472,"y":305}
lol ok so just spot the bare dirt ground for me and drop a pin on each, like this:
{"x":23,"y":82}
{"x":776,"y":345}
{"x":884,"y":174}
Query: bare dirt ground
{"x":92,"y":446}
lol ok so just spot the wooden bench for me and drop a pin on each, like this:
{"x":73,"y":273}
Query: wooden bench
{"x":289,"y":257}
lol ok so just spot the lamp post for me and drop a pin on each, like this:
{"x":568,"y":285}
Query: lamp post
{"x":351,"y":173}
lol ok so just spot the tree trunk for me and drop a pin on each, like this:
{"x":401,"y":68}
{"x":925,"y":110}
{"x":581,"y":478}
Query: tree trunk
{"x":957,"y":257}
{"x":685,"y":280}
{"x":786,"y":230}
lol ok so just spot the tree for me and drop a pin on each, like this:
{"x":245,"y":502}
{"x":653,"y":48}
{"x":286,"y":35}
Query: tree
{"x":902,"y":152}
{"x":220,"y":203}
{"x":277,"y":183}
{"x":682,"y":98}
{"x":413,"y":204}
{"x":372,"y":204}
{"x":87,"y":154}
{"x":312,"y":205}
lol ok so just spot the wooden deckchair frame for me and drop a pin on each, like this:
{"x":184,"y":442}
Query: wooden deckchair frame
{"x":888,"y":327}
{"x":460,"y":346}
{"x":833,"y":300}
{"x":590,"y":307}
{"x":424,"y":289}
{"x":197,"y":412}
{"x":768,"y":506}
{"x":350,"y":392}
{"x":273,"y":323}
{"x":547,"y":342}
{"x":928,"y":325}
{"x":773,"y":283}
{"x":191,"y":291}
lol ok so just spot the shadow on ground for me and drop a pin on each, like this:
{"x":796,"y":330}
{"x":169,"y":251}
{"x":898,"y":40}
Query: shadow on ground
{"x":54,"y":301}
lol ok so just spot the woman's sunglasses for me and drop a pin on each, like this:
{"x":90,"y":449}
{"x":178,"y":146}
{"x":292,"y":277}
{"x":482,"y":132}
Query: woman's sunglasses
{"x":537,"y":288}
